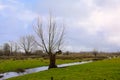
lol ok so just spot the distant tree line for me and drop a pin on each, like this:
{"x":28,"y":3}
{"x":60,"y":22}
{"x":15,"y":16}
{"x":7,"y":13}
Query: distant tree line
{"x":25,"y":46}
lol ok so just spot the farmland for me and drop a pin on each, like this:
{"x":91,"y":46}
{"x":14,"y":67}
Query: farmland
{"x":16,"y":65}
{"x":99,"y":70}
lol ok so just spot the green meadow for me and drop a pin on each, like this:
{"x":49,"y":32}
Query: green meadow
{"x":16,"y":65}
{"x":99,"y":70}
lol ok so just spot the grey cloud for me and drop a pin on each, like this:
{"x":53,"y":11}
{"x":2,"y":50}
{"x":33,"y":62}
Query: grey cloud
{"x":73,"y":11}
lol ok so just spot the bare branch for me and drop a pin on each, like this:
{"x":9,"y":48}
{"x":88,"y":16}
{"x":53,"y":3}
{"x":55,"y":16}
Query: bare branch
{"x":53,"y":40}
{"x":27,"y":43}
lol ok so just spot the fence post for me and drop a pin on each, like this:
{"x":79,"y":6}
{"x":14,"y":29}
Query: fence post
{"x":51,"y":78}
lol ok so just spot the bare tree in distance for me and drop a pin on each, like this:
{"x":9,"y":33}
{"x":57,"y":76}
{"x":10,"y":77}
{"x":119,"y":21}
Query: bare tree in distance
{"x":50,"y":38}
{"x":14,"y":47}
{"x":17,"y":47}
{"x":27,"y":43}
{"x":95,"y":52}
{"x":6,"y":49}
{"x":11,"y":46}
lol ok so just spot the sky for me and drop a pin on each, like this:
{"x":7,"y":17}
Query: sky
{"x":90,"y":24}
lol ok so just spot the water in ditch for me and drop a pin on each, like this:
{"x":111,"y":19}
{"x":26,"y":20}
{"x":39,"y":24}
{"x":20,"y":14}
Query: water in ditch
{"x":33,"y":70}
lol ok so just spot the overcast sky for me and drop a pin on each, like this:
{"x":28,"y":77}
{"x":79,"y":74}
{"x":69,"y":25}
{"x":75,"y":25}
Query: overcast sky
{"x":89,"y":23}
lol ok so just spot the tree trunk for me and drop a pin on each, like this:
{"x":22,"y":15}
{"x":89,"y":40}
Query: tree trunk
{"x":52,"y":58}
{"x":27,"y":52}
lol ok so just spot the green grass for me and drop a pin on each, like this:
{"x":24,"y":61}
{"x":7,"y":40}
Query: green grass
{"x":99,"y":70}
{"x":15,"y":65}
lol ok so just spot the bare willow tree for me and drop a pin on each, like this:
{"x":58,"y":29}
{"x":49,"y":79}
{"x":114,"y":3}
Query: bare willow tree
{"x":50,"y":38}
{"x":27,"y":43}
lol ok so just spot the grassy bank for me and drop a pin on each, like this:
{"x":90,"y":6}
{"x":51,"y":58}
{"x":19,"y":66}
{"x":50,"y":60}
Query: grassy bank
{"x":99,"y":70}
{"x":16,"y":65}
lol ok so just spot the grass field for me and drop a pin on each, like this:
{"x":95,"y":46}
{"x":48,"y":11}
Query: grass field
{"x":99,"y":70}
{"x":16,"y":65}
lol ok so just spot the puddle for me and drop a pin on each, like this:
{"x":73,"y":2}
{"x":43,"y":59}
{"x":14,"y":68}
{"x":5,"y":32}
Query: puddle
{"x":38,"y":69}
